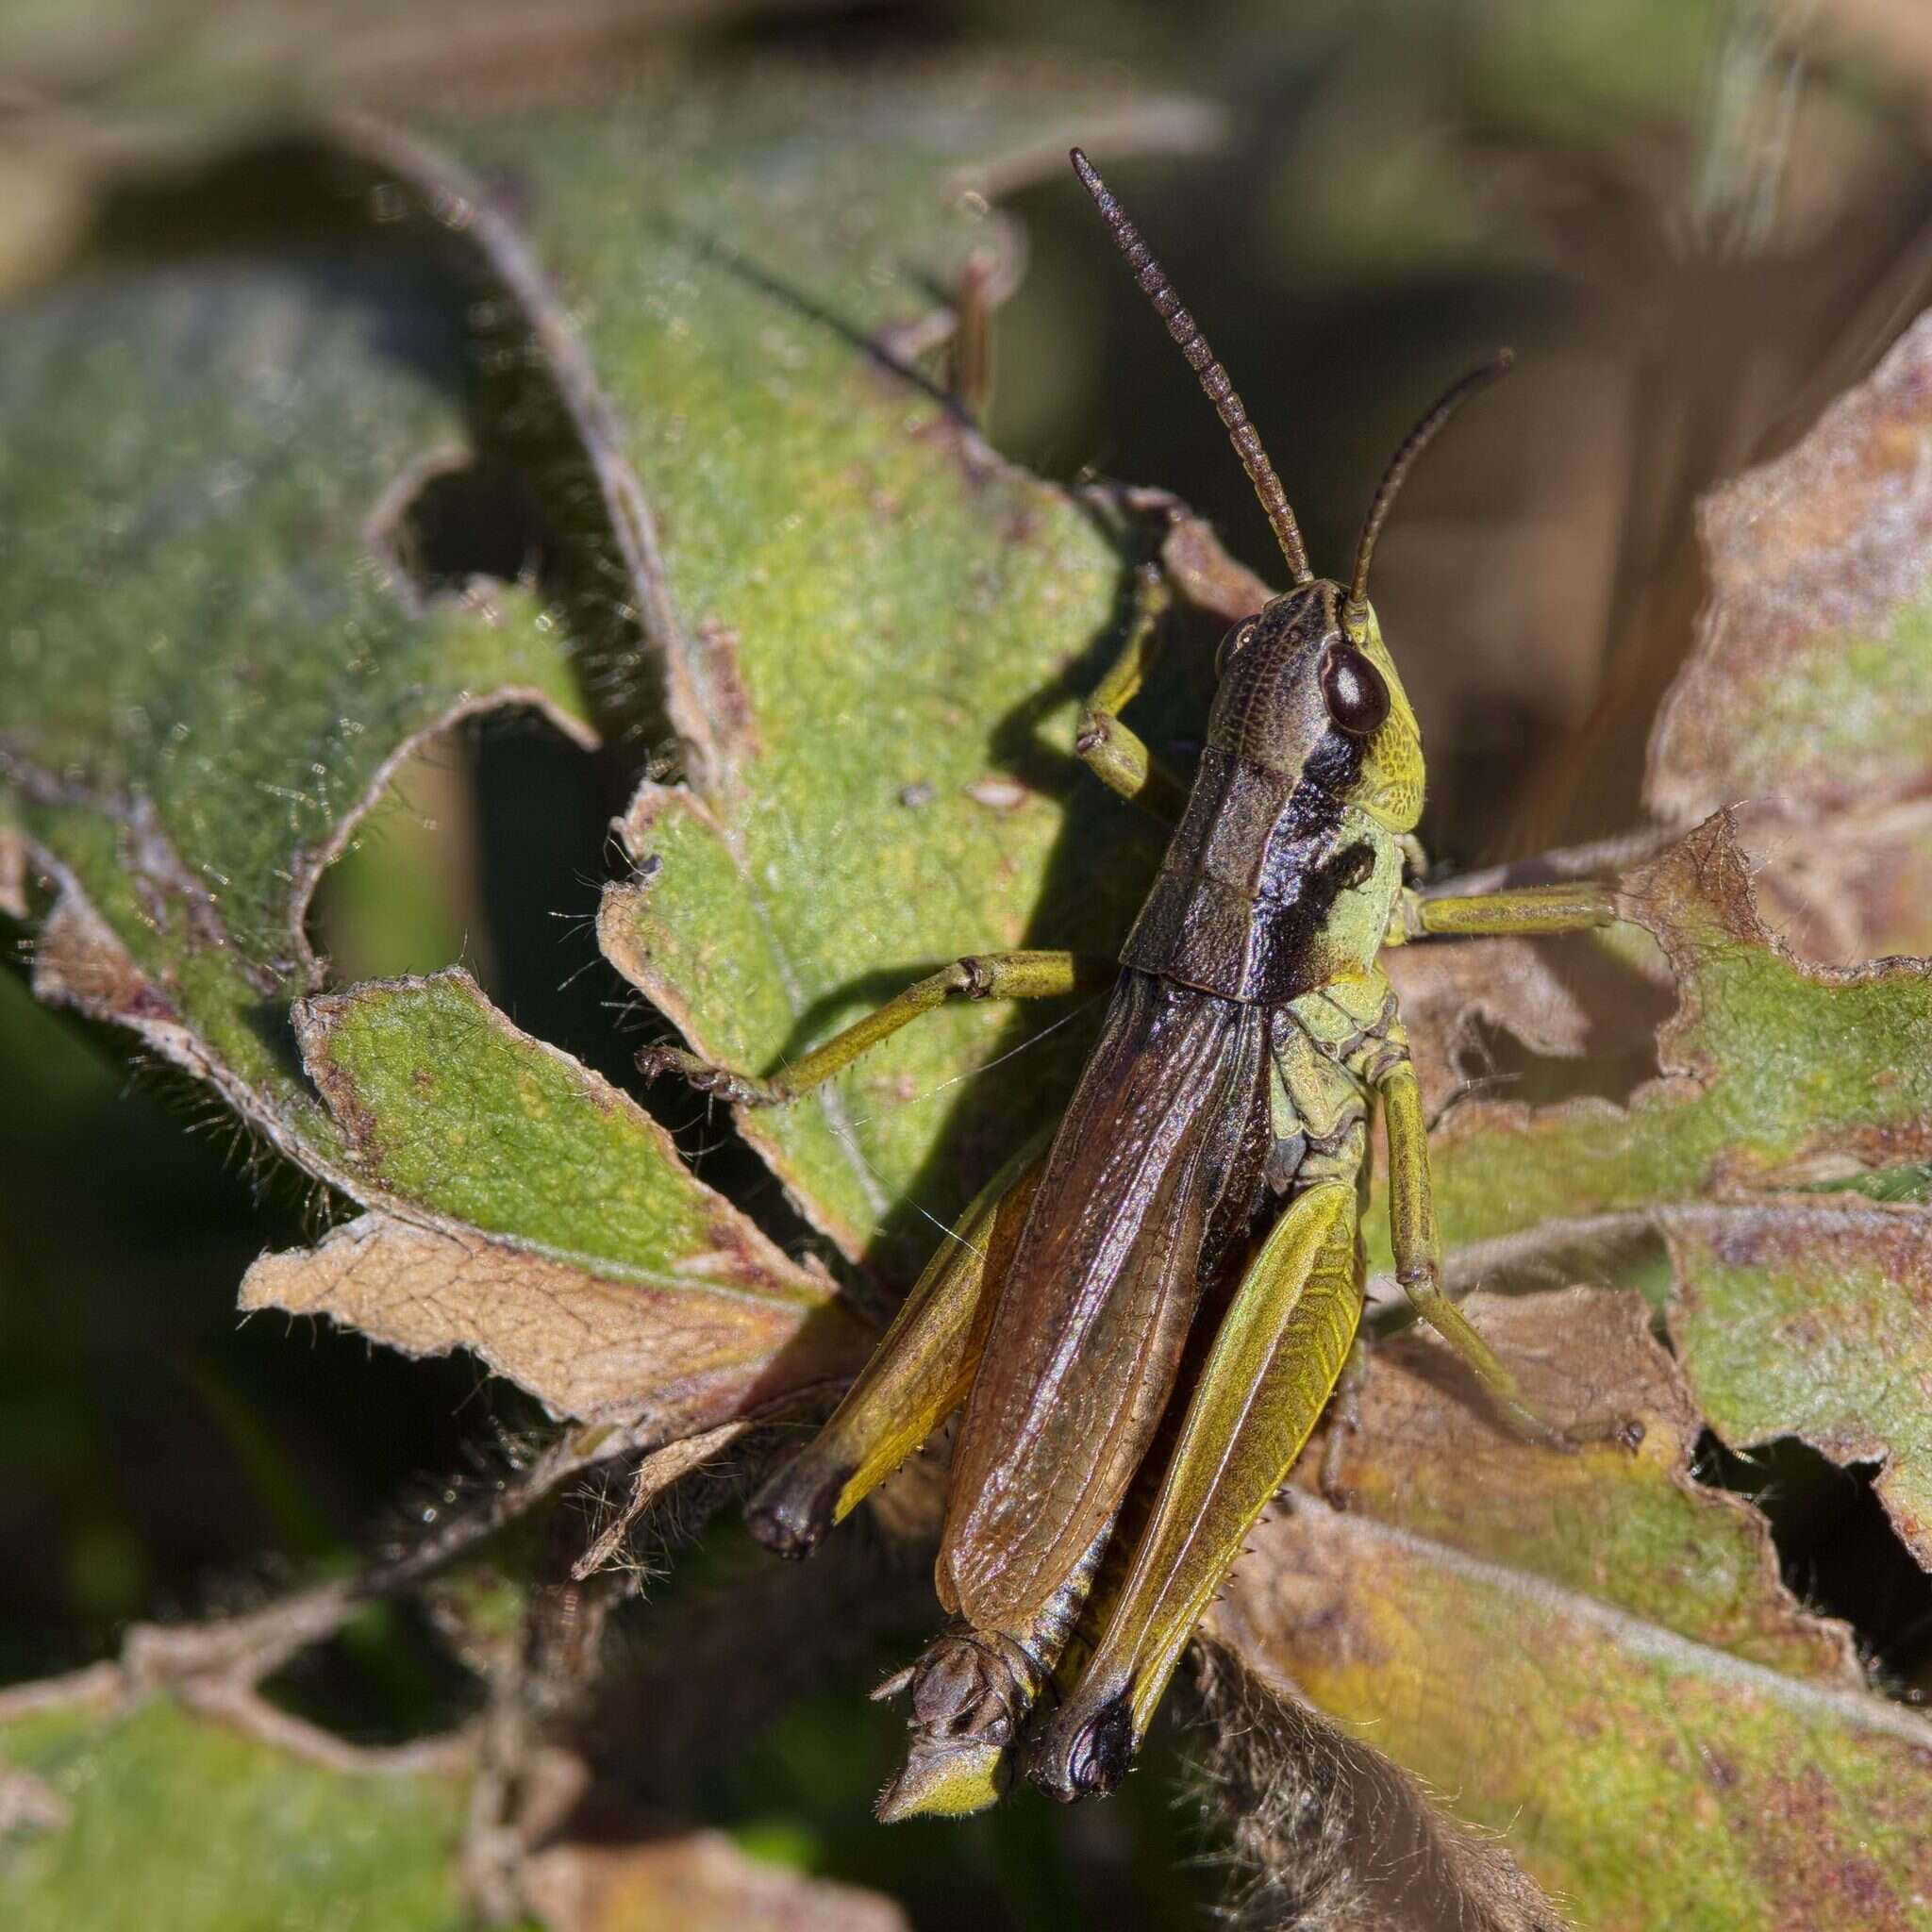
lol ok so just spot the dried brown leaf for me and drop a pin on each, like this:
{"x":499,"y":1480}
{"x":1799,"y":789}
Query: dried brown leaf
{"x":696,"y":1881}
{"x":1807,"y":701}
{"x":1449,"y":995}
{"x":585,"y":1345}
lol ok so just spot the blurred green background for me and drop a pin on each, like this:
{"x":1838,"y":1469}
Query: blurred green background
{"x":1695,"y":220}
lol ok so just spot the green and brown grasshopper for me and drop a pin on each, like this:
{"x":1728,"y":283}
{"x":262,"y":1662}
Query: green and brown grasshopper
{"x":1144,"y":1321}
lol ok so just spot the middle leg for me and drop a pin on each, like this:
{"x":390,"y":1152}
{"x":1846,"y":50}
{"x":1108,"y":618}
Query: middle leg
{"x":1419,"y":1267}
{"x":979,"y":976}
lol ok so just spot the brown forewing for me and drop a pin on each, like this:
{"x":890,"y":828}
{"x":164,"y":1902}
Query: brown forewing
{"x":1088,"y":1335}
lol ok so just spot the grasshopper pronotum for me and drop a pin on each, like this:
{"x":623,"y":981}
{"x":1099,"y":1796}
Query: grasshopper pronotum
{"x":1195,"y":1222}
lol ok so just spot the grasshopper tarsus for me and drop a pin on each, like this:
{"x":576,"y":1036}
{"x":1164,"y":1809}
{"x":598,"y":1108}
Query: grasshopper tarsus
{"x":799,"y":1500}
{"x":721,"y":1083}
{"x":1624,"y":1432}
{"x":1094,"y":1760}
{"x":781,"y":1540}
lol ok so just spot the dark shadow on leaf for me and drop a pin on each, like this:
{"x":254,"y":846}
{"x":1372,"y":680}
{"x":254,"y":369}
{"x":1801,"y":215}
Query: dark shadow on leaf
{"x":1837,"y":1550}
{"x":724,"y":256}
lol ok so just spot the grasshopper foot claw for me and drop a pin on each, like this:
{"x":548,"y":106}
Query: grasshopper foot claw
{"x":795,"y":1509}
{"x":739,"y":1089}
{"x":1093,"y":1760}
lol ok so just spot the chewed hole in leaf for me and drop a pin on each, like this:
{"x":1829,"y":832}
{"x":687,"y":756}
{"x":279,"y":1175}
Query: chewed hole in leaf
{"x":486,"y":849}
{"x":404,"y":897}
{"x":459,"y":518}
{"x":1623,"y":1011}
{"x":1836,"y":1551}
{"x":383,"y":1678}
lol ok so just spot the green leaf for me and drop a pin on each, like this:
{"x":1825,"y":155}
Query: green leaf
{"x":1591,"y":1653}
{"x":871,"y":632}
{"x":211,"y":674}
{"x":1777,"y":1074}
{"x":1807,"y":1319}
{"x":160,"y":1818}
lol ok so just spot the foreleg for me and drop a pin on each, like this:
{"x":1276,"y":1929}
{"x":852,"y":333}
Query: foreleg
{"x":1117,"y":754}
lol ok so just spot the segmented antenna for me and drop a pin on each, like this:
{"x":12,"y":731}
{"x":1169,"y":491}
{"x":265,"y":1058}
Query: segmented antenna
{"x":1356,"y":605}
{"x":1213,"y":378}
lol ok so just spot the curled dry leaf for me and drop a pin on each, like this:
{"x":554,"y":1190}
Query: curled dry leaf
{"x":1591,"y":1652}
{"x":656,"y":1474}
{"x":1807,"y":705}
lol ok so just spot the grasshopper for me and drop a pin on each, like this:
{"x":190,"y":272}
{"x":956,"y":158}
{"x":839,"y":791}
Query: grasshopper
{"x":1141,"y":1321}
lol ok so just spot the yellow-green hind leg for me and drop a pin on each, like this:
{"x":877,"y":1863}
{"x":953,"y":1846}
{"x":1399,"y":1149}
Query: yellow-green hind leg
{"x":1276,"y":1357}
{"x":918,"y":1374}
{"x":1036,"y":975}
{"x":1116,"y":753}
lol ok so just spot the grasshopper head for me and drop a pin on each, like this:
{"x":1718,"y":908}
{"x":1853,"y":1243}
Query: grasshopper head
{"x":1308,"y":689}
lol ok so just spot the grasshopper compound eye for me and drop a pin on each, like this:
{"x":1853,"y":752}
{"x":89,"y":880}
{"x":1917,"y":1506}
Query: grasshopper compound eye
{"x":1235,"y":641}
{"x":1357,"y":697}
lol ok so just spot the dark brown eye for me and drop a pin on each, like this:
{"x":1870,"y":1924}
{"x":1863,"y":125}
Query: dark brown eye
{"x":1358,"y":699}
{"x":1232,"y":643}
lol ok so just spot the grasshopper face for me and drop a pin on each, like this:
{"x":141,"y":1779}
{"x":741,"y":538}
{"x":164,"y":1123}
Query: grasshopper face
{"x":1283,"y":872}
{"x":1309,"y":691}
